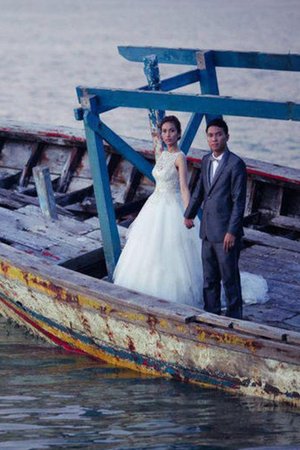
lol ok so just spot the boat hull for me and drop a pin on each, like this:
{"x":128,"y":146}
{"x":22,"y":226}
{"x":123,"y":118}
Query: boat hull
{"x":142,"y":333}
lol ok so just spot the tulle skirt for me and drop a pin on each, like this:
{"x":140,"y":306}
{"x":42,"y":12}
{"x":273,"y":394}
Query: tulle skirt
{"x":161,"y":256}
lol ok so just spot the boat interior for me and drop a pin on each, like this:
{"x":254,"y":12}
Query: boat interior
{"x":272,"y":217}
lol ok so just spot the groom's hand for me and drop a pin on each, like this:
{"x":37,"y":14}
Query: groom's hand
{"x":229,"y":241}
{"x":189,"y":223}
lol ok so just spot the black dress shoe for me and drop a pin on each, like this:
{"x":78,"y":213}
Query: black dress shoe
{"x":213,"y":311}
{"x":236,"y":314}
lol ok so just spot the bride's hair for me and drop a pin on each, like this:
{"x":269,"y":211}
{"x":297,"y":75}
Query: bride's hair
{"x":174,"y":120}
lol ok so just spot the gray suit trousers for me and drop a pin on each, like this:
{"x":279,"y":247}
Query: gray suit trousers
{"x":220,"y":265}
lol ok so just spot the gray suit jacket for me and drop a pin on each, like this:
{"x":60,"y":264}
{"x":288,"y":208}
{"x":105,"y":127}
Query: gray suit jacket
{"x":223,"y":200}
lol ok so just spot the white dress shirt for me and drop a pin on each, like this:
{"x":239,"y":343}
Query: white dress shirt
{"x":214,"y":165}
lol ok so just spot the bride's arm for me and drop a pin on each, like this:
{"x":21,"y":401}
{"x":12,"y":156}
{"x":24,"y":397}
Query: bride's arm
{"x":157,"y":149}
{"x":183,"y":179}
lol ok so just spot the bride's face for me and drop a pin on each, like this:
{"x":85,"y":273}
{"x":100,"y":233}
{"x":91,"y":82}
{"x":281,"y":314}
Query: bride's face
{"x":169,"y":134}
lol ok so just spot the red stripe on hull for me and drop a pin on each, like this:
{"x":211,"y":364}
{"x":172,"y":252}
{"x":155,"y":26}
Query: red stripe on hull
{"x":49,"y":335}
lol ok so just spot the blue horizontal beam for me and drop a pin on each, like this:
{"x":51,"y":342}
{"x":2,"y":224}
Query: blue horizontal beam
{"x":221,"y":58}
{"x":207,"y":104}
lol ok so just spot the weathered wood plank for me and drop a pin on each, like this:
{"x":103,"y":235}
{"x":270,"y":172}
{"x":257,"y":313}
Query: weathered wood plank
{"x":15,"y":154}
{"x":96,"y":233}
{"x":284,"y":255}
{"x":53,"y":241}
{"x":74,"y":196}
{"x":23,"y":200}
{"x":78,"y":183}
{"x":31,"y":191}
{"x":271,"y":272}
{"x":55,"y":157}
{"x":278,"y":265}
{"x":9,"y":177}
{"x":281,"y":303}
{"x":291,"y":223}
{"x":12,"y":232}
{"x":259,"y":237}
{"x":133,"y":183}
{"x":26,"y":132}
{"x":69,"y":225}
{"x":267,"y":197}
{"x":112,"y":160}
{"x":39,"y":235}
{"x":72,"y":163}
{"x":257,"y":330}
{"x":274,"y":316}
{"x":45,"y":192}
{"x":130,"y":208}
{"x":32,"y":161}
{"x":121,"y":210}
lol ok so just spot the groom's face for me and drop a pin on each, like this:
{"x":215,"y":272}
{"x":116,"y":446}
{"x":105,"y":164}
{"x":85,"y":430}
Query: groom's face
{"x":217,"y":139}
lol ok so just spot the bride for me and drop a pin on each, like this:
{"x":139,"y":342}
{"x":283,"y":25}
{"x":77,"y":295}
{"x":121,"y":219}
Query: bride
{"x":161,"y":256}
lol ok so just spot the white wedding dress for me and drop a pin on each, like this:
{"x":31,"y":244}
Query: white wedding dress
{"x":161,"y":256}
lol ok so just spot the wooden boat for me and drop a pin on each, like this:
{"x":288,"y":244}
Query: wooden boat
{"x":53,"y":273}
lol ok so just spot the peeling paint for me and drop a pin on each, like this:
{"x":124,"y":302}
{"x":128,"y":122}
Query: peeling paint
{"x":131,"y":345}
{"x":50,"y":255}
{"x":144,"y":342}
{"x":152,"y":322}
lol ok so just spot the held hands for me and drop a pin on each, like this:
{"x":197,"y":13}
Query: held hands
{"x":189,"y":223}
{"x":229,"y":241}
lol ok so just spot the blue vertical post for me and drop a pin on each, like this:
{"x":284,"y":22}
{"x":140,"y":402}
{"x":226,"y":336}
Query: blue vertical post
{"x":209,"y":85}
{"x":105,"y":208}
{"x":151,"y":71}
{"x":208,"y":76}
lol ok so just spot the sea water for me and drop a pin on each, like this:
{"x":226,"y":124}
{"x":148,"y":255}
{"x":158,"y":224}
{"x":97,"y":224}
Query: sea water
{"x":48,"y":47}
{"x":53,"y":399}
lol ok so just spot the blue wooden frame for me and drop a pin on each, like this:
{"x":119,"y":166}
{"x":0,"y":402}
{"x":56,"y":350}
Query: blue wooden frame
{"x":209,"y":104}
{"x":106,"y":213}
{"x":156,"y":98}
{"x":221,"y":58}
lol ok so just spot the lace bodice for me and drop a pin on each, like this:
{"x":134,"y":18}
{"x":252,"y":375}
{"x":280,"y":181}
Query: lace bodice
{"x":165,"y":173}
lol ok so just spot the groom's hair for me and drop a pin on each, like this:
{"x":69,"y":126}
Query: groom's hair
{"x":174,"y":120}
{"x":218,"y":122}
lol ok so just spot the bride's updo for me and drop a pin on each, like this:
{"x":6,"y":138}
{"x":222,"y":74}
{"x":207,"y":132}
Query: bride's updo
{"x":175,"y":121}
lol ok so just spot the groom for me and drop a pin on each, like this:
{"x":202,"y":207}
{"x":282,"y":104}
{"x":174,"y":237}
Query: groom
{"x":222,"y":190}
